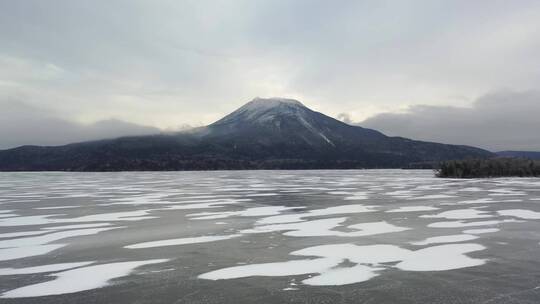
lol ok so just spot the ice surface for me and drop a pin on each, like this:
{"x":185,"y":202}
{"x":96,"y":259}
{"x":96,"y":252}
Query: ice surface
{"x":471,"y":189}
{"x":343,"y":276}
{"x":20,"y":234}
{"x":446,"y":239}
{"x":460,"y":224}
{"x":321,"y":227}
{"x":460,"y":214}
{"x":521,"y":213}
{"x":249,"y":212}
{"x":41,"y":269}
{"x":443,"y":257}
{"x":76,"y":226}
{"x":43,"y":214}
{"x":182,"y":241}
{"x":374,"y":228}
{"x":57,"y":207}
{"x":27,"y":220}
{"x":71,"y":281}
{"x":298,"y":217}
{"x":434,"y":196}
{"x":478,"y":201}
{"x":208,"y":205}
{"x":358,"y":196}
{"x":36,"y":245}
{"x":135,"y":215}
{"x":324,"y":227}
{"x":369,"y":254}
{"x":506,"y":192}
{"x":368,"y":261}
{"x":413,"y":209}
{"x":51,"y":219}
{"x":260,"y":194}
{"x":28,"y":251}
{"x":481,"y":231}
{"x":44,"y":239}
{"x":288,"y":268}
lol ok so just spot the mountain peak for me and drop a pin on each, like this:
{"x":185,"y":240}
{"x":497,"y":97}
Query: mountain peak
{"x":278,"y":120}
{"x":274,"y":101}
{"x":262,"y":110}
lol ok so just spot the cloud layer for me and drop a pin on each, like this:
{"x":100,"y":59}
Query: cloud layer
{"x":22,"y":124}
{"x":499,"y":121}
{"x":179,"y":62}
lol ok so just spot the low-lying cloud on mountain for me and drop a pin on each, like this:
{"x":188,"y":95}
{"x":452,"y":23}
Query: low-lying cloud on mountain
{"x":22,"y":124}
{"x":505,"y":120}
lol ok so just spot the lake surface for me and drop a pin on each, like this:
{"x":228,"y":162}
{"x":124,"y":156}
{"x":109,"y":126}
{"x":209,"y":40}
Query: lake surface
{"x":349,"y":236}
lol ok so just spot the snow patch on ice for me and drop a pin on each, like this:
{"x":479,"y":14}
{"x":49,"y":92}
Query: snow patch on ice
{"x":44,"y":239}
{"x":298,"y":217}
{"x":57,"y":207}
{"x":70,"y":281}
{"x":182,"y":241}
{"x":443,"y":257}
{"x":460,"y":224}
{"x":521,"y":213}
{"x":20,"y":234}
{"x":324,"y":227}
{"x":446,"y":239}
{"x":367,"y":259}
{"x":460,"y":214}
{"x":413,"y":209}
{"x":362,"y":195}
{"x":41,"y":269}
{"x":250,"y":212}
{"x":343,"y":276}
{"x":28,"y":251}
{"x":434,"y":196}
{"x":481,"y":231}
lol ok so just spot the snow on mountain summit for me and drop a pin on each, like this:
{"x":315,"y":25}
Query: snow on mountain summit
{"x":279,"y":120}
{"x":273,"y":102}
{"x":265,"y":109}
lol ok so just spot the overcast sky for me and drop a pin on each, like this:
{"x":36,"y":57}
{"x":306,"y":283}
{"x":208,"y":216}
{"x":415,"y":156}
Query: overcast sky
{"x":167,"y":64}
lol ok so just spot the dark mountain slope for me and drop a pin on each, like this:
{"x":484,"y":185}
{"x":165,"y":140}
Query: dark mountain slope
{"x":520,"y":154}
{"x":264,"y":133}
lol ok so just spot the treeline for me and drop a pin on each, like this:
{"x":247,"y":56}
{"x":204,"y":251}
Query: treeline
{"x":492,"y":167}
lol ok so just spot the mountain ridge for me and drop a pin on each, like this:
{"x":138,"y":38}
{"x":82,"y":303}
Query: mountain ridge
{"x":520,"y":154}
{"x":265,"y":133}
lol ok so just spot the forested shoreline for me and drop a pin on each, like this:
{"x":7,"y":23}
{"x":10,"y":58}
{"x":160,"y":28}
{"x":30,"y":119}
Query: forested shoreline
{"x":492,"y":167}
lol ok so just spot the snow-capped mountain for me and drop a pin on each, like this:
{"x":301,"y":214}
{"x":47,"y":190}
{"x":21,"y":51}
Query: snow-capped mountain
{"x":264,"y":133}
{"x":277,"y":115}
{"x":264,"y":110}
{"x":270,"y":120}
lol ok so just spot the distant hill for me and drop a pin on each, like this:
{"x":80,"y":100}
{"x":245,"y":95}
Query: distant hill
{"x":271,"y":133}
{"x":520,"y":154}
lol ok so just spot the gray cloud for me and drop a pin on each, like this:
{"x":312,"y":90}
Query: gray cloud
{"x":176,"y":62}
{"x":345,"y":117}
{"x":504,"y":120}
{"x":22,"y":124}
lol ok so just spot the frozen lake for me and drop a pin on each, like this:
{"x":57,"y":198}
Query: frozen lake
{"x":350,"y":236}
